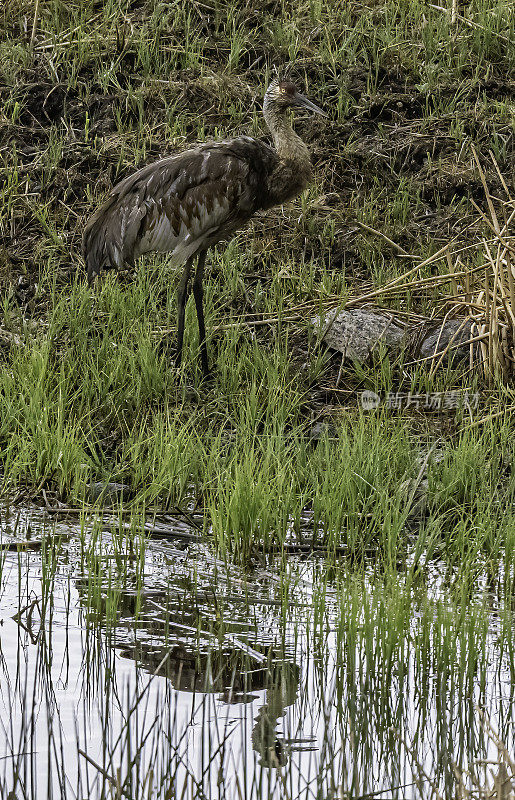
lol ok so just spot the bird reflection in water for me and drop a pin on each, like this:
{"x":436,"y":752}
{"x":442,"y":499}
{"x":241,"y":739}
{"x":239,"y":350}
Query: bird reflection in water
{"x":236,"y":681}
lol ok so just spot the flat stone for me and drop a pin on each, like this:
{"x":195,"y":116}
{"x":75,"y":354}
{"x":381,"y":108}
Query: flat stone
{"x":358,"y":332}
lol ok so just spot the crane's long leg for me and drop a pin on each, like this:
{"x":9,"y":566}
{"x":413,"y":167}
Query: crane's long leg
{"x":198,"y":294}
{"x":182,"y":296}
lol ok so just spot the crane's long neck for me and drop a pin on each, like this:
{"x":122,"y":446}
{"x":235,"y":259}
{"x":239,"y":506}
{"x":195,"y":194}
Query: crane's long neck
{"x":294,"y":169}
{"x":289,"y":146}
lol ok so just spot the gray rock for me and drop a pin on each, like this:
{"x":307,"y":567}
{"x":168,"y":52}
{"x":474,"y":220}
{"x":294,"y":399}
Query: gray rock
{"x":435,"y":337}
{"x":106,"y":493}
{"x":358,"y":332}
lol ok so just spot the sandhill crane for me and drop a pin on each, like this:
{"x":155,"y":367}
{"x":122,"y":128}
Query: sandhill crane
{"x":186,"y":203}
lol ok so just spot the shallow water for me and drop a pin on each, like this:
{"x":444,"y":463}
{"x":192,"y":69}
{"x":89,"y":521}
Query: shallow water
{"x":171,"y":672}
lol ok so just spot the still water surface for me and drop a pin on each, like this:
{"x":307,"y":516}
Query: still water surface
{"x":165,"y":672}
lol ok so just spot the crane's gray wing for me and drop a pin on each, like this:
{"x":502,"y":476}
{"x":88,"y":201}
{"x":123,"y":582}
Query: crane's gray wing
{"x":180,"y":204}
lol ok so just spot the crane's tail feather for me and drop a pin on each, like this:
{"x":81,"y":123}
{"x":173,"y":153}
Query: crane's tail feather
{"x":103,"y":241}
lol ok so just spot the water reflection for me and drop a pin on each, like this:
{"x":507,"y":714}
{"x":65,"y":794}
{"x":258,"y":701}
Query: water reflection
{"x":170,"y":641}
{"x":190,"y":676}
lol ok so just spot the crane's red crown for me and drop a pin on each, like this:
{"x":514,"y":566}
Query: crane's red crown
{"x":281,"y":89}
{"x":287,"y":88}
{"x":283,"y":94}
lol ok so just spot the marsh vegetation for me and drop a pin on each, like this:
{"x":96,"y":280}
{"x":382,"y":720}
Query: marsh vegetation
{"x":291,"y":597}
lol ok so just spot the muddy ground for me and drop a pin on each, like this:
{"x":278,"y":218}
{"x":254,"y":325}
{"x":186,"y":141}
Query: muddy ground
{"x":396,"y":134}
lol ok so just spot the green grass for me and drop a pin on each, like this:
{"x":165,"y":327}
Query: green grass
{"x":88,"y":391}
{"x":92,"y":397}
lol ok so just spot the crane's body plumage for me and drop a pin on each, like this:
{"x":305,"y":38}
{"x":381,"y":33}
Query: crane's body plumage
{"x":180,"y":204}
{"x":187,"y":203}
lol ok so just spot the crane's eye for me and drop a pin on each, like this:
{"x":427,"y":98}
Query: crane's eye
{"x":287,"y":89}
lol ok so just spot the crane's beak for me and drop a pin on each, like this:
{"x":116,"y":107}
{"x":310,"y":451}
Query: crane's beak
{"x":302,"y":102}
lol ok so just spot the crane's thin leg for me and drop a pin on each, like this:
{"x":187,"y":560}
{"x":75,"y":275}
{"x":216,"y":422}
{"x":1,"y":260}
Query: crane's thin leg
{"x":198,"y":294}
{"x":182,"y":296}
